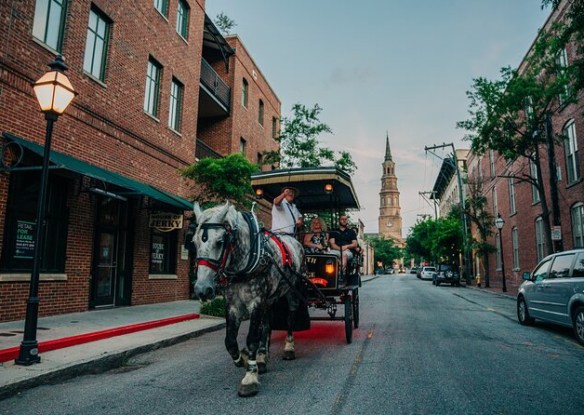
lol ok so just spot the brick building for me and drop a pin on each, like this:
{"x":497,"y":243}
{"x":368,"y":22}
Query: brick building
{"x":519,"y":204}
{"x":158,"y":87}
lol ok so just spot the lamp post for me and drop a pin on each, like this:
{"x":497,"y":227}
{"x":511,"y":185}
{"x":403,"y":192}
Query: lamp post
{"x":499,"y":222}
{"x":54,"y":93}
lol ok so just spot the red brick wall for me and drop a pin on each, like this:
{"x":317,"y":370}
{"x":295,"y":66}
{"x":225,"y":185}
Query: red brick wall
{"x":105,"y":126}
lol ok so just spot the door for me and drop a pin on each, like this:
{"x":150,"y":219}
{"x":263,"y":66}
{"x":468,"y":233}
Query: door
{"x":111,"y":281}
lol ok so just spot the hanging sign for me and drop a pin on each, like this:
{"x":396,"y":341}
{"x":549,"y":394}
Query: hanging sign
{"x":166,"y":222}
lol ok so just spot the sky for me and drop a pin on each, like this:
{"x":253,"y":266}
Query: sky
{"x":377,"y":68}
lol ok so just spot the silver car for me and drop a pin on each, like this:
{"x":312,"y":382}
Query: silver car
{"x":554,"y":292}
{"x":427,"y":273}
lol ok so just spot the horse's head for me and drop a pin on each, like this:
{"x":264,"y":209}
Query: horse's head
{"x":214,"y":239}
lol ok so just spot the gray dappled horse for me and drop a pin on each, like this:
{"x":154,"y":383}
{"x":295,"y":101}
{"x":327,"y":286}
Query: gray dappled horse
{"x":257,"y":268}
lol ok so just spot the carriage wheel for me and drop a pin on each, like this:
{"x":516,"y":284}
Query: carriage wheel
{"x":356,"y":308}
{"x":348,"y":318}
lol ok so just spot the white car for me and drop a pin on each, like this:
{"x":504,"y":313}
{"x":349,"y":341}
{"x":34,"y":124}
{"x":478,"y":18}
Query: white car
{"x":427,"y":273}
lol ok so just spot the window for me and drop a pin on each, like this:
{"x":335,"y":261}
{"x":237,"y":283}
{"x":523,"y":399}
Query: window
{"x":492,"y":162}
{"x":274,"y":127}
{"x":151,"y":95}
{"x":163,"y":251}
{"x":242,"y":145}
{"x":539,"y":239}
{"x":20,"y":229}
{"x":244,"y":92}
{"x":495,"y":202}
{"x":182,"y":19}
{"x":261,"y":112}
{"x":571,"y":151}
{"x":561,"y":266}
{"x":515,"y":241}
{"x":162,"y":7}
{"x":534,"y":189}
{"x":577,"y":213}
{"x":562,"y":62}
{"x":578,"y":271}
{"x":512,"y":206}
{"x":541,"y":272}
{"x":49,"y":22}
{"x":96,"y":44}
{"x":176,"y":103}
{"x":480,"y":167}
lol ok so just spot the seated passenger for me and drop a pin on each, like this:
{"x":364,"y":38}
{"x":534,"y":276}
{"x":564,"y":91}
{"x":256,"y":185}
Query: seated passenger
{"x":343,"y":241}
{"x":316,"y":241}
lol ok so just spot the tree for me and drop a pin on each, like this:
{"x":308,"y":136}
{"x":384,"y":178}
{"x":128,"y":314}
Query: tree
{"x":299,"y":145}
{"x":512,"y":116}
{"x":224,"y":23}
{"x":227,"y":178}
{"x":439,"y":240}
{"x":386,"y":251}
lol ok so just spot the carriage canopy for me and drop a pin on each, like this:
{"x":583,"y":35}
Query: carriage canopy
{"x":319,"y":187}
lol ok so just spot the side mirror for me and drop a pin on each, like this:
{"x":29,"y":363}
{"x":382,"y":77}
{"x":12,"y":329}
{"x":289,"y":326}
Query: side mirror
{"x":526,"y":276}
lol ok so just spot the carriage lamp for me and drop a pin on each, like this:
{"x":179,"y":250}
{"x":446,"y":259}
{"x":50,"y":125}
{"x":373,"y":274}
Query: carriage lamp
{"x":259,"y":192}
{"x":54,"y":93}
{"x":329,"y":267}
{"x":328,"y":188}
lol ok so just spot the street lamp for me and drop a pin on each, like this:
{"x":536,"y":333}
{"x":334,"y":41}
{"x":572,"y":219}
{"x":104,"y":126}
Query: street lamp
{"x":499,"y":222}
{"x":54,"y":93}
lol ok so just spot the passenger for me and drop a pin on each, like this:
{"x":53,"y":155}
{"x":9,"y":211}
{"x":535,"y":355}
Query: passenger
{"x":286,"y":218}
{"x":316,"y":241}
{"x":343,"y":241}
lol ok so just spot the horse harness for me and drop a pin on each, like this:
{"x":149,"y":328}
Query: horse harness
{"x":258,"y":257}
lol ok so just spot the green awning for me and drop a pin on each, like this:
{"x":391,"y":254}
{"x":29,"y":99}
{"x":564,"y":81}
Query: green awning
{"x":135,"y":187}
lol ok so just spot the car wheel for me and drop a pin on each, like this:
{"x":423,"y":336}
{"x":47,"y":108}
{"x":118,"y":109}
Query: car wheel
{"x":579,"y":324}
{"x":523,"y":313}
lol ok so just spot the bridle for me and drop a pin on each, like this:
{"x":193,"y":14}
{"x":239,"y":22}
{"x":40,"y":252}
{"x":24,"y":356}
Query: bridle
{"x":218,"y":264}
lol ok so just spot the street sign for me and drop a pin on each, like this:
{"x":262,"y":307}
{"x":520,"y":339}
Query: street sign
{"x":556,"y":233}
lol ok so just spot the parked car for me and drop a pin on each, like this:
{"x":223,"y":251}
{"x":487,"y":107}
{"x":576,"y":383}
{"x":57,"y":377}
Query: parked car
{"x":446,"y":273}
{"x":414,"y":270}
{"x":554,"y":292}
{"x":427,"y":272}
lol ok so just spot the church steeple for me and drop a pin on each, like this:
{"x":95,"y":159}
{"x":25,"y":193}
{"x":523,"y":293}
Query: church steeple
{"x":390,"y":221}
{"x":387,"y":149}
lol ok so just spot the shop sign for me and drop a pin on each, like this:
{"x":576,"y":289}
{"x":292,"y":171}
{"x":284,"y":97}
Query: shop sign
{"x":166,"y":222}
{"x":24,"y":244}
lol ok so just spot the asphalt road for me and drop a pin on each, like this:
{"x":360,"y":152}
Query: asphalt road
{"x":419,"y":349}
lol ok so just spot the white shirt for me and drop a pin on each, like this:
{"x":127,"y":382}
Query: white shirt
{"x":284,"y":217}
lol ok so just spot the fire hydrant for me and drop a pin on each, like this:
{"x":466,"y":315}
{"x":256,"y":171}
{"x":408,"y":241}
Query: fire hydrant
{"x":478,"y":280}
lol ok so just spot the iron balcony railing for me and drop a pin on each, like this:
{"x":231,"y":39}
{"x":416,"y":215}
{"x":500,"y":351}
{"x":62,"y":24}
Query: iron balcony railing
{"x":215,"y":84}
{"x":203,"y":150}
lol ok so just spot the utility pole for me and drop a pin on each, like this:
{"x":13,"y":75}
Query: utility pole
{"x":433,"y":194}
{"x":462,"y":205}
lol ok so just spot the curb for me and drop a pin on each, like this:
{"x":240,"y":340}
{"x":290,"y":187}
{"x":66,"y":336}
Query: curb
{"x":46,"y":346}
{"x":100,"y":364}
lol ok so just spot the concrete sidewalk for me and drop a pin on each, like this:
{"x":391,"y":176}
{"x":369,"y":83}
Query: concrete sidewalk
{"x":94,"y":341}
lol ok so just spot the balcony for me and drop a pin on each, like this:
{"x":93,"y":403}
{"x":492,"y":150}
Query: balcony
{"x":202,"y":151}
{"x":215,"y":96}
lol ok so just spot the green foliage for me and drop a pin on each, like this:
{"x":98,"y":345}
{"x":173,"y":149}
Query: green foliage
{"x":436,"y":240}
{"x":224,"y":23}
{"x":385,"y":250}
{"x":215,"y":307}
{"x":227,"y":178}
{"x":299,"y":145}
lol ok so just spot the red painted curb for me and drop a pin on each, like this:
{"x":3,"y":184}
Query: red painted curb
{"x":46,"y":346}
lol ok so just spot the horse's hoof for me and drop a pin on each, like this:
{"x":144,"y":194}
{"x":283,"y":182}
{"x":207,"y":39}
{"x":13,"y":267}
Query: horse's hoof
{"x":289,"y":355}
{"x":243,"y":359}
{"x":248,"y":390}
{"x":250,"y":384}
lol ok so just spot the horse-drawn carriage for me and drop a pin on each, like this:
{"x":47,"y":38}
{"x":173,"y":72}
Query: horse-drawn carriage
{"x":258,"y":269}
{"x":328,"y":192}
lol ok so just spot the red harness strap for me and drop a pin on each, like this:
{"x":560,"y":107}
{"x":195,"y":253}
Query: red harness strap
{"x":284,"y":249}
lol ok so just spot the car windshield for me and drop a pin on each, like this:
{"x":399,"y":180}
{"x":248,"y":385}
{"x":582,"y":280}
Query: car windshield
{"x":446,"y":267}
